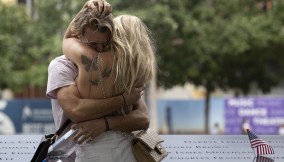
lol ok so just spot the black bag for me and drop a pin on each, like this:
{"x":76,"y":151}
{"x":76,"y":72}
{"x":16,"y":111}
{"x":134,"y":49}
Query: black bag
{"x":42,"y":148}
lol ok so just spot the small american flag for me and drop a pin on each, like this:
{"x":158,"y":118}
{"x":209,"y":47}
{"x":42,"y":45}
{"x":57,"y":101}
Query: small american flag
{"x":261,"y":146}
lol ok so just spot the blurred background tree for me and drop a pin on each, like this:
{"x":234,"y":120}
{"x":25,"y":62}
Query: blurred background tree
{"x":29,"y":40}
{"x":12,"y":37}
{"x":217,"y":44}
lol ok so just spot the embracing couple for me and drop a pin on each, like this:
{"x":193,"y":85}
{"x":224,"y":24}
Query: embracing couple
{"x":99,"y":81}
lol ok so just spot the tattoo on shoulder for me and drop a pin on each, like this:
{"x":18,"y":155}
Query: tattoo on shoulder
{"x":88,"y":63}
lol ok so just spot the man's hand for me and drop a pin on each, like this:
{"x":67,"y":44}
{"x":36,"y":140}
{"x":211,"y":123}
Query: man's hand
{"x":88,"y":130}
{"x":133,"y":96}
{"x":100,"y":7}
{"x":136,"y":120}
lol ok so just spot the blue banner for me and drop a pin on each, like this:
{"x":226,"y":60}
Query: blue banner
{"x":26,"y":117}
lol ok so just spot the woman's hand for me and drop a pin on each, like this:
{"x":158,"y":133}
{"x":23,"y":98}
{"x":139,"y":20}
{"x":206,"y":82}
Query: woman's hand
{"x":88,"y":130}
{"x":100,"y":7}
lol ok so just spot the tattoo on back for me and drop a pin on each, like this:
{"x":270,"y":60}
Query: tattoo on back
{"x":106,"y":73}
{"x":88,"y":63}
{"x":93,"y":65}
{"x":95,"y":82}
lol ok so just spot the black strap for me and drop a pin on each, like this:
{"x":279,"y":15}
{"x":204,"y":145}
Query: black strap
{"x":61,"y":129}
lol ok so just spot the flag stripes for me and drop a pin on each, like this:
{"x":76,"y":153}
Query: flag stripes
{"x":261,"y":146}
{"x":265,"y":149}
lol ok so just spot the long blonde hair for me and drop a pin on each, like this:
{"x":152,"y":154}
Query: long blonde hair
{"x":134,"y":53}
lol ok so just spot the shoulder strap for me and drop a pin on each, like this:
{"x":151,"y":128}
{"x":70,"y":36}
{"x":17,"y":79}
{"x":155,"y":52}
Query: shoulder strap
{"x":61,"y":129}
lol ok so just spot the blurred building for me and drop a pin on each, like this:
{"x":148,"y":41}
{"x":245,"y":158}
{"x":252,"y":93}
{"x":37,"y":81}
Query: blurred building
{"x":9,"y":2}
{"x":22,"y":1}
{"x":264,"y":4}
{"x":16,"y":1}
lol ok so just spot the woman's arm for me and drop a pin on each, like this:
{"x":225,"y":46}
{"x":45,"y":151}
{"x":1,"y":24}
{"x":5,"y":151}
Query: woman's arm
{"x":72,"y":48}
{"x":100,"y":7}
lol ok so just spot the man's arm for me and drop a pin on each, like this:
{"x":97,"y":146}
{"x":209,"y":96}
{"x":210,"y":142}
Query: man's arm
{"x":135,"y":120}
{"x":138,"y":119}
{"x":79,"y":110}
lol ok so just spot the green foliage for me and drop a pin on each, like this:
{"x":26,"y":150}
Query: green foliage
{"x":214,"y":43}
{"x":12,"y":30}
{"x":227,"y":44}
{"x":28,"y":43}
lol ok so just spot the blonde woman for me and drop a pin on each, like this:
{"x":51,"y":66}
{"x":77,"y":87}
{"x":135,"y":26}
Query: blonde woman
{"x":111,"y":61}
{"x":134,"y":53}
